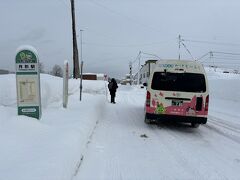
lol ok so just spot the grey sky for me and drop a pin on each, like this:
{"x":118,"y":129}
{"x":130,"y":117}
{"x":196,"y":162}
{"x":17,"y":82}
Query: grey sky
{"x":115,"y":31}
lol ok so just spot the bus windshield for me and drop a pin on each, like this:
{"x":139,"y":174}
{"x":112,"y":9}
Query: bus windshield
{"x":185,"y":82}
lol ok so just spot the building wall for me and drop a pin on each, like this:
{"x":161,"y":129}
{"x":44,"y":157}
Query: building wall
{"x":95,"y":76}
{"x":145,"y":71}
{"x":4,"y":71}
{"x":89,"y":76}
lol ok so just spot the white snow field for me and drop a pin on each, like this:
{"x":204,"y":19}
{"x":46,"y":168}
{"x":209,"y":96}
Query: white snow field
{"x":96,"y":140}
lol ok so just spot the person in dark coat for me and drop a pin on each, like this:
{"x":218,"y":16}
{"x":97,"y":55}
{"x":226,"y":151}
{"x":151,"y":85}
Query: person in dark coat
{"x":112,"y":86}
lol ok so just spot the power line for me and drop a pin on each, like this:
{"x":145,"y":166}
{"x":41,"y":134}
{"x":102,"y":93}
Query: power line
{"x":187,"y":50}
{"x":226,"y":64}
{"x":180,"y":41}
{"x":229,"y":53}
{"x":138,"y":56}
{"x":64,"y":3}
{"x":223,"y":58}
{"x":122,"y":45}
{"x":211,"y":42}
{"x":154,"y":55}
{"x":216,"y":54}
{"x":125,"y":16}
{"x":202,"y":56}
{"x":99,"y":34}
{"x":226,"y":56}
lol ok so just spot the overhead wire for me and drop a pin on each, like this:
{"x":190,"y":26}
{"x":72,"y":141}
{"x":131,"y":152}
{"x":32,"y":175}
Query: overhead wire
{"x":187,"y":50}
{"x":219,"y":54}
{"x":213,"y":52}
{"x":211,"y":42}
{"x":224,"y":58}
{"x":202,"y":56}
{"x":123,"y":45}
{"x":98,"y":33}
{"x":138,"y":56}
{"x":154,"y":55}
{"x":205,"y":60}
{"x":124,"y":15}
{"x":229,"y":53}
{"x":64,"y":3}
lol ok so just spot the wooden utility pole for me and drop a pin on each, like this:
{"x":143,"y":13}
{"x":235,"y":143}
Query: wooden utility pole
{"x":179,"y":47}
{"x":130,"y":68}
{"x":76,"y":73}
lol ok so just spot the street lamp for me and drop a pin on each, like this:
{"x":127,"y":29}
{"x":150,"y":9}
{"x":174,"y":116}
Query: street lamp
{"x":81,"y":66}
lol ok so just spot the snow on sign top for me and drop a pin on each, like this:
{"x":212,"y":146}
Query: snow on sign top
{"x":26,"y":47}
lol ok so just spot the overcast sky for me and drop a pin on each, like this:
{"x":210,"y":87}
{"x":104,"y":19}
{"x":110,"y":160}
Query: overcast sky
{"x":115,"y":31}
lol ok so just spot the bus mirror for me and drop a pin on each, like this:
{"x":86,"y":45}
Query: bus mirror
{"x":144,"y":84}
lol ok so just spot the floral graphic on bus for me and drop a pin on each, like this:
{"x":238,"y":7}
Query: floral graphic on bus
{"x":187,"y":108}
{"x":153,"y":102}
{"x":160,"y":109}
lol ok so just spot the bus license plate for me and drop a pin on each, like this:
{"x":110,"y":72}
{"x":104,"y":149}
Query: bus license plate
{"x":177,"y":103}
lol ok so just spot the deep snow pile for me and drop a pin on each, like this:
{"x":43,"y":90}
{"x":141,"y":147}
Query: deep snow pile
{"x":49,"y":148}
{"x":224,"y":95}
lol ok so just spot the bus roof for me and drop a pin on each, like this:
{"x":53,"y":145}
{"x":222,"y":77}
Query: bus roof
{"x":179,"y":66}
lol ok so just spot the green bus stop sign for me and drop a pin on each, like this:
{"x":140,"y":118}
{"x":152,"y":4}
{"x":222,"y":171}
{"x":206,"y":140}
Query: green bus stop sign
{"x":28,"y":82}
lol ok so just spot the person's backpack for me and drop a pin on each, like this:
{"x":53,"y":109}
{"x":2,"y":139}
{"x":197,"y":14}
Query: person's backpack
{"x":110,"y":85}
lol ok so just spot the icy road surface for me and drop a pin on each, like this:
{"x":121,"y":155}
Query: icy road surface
{"x":122,"y":146}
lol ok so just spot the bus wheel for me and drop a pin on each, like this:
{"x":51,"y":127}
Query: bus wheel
{"x":147,"y":121}
{"x":195,"y":125}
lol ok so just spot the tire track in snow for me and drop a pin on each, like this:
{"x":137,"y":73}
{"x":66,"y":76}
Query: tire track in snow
{"x":224,"y":128}
{"x":152,"y":133}
{"x":116,"y":116}
{"x":199,"y":137}
{"x":178,"y":147}
{"x":223,"y":133}
{"x":172,"y":142}
{"x":179,"y":139}
{"x":235,"y":116}
{"x":101,"y":109}
{"x":221,"y":123}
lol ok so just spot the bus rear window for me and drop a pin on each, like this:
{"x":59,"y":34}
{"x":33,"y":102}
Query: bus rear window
{"x":185,"y":82}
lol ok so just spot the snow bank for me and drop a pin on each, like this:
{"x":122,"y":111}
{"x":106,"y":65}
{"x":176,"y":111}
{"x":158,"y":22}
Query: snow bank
{"x":50,"y":148}
{"x":8,"y":90}
{"x":224,"y":95}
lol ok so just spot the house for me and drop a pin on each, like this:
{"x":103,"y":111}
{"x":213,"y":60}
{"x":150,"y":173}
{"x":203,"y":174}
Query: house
{"x":144,"y":72}
{"x":126,"y":80}
{"x":2,"y":71}
{"x":94,"y":76}
{"x":89,"y":76}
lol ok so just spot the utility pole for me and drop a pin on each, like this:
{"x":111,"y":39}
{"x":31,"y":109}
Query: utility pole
{"x":130,"y":68}
{"x":75,"y":49}
{"x":179,"y":47}
{"x":212,"y":60}
{"x":81,"y":66}
{"x":139,"y":59}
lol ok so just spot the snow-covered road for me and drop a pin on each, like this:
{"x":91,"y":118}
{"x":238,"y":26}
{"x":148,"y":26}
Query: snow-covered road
{"x":124,"y":147}
{"x":94,"y":139}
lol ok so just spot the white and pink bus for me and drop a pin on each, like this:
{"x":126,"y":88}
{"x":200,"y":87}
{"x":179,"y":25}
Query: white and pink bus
{"x":177,"y":90}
